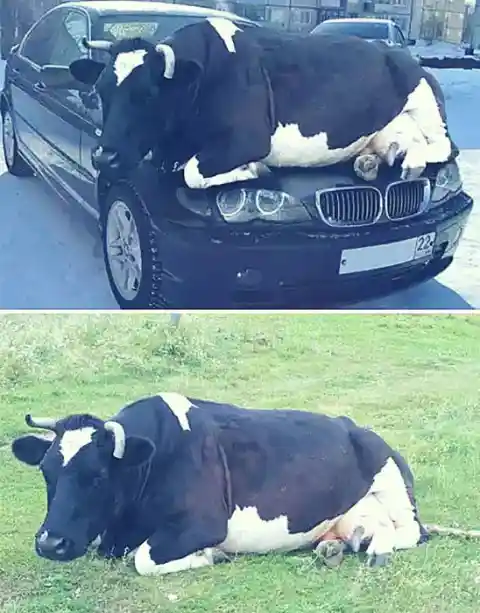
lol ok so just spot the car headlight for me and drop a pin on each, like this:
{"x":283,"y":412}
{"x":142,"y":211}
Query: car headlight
{"x":447,"y":183}
{"x":241,"y":205}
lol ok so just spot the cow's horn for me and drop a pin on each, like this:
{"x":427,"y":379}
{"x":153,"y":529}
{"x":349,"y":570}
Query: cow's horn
{"x":46,"y":423}
{"x":119,"y":438}
{"x":100,"y":45}
{"x":169,"y":56}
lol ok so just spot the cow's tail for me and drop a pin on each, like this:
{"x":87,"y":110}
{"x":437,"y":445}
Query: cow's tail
{"x":436,"y":530}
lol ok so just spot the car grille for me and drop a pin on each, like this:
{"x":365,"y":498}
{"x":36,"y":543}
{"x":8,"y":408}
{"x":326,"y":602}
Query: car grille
{"x":349,"y":206}
{"x":360,"y":205}
{"x":404,"y":199}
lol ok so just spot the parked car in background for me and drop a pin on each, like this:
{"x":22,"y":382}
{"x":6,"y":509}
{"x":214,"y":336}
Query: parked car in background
{"x":367,"y":28}
{"x":298,"y":238}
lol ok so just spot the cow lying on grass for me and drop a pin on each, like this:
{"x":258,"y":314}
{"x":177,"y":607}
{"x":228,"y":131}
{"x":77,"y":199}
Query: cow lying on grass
{"x":181,"y":483}
{"x":227,"y":102}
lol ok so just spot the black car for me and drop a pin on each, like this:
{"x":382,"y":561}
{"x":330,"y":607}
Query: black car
{"x":295,"y":238}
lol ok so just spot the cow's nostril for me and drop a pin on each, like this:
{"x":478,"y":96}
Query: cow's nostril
{"x":51,"y":546}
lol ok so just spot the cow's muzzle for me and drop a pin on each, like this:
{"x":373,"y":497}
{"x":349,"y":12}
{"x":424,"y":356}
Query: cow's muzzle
{"x":105,"y":159}
{"x":53,"y":547}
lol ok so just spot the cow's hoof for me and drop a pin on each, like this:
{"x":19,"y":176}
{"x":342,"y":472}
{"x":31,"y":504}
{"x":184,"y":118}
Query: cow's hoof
{"x":378,"y":559}
{"x":408,"y":174}
{"x":330,"y":552}
{"x":366,"y":166}
{"x":355,"y":541}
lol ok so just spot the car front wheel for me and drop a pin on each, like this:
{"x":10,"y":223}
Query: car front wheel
{"x":130,"y":251}
{"x":16,"y":165}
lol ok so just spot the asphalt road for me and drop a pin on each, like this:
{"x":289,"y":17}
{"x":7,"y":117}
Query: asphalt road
{"x":50,"y":256}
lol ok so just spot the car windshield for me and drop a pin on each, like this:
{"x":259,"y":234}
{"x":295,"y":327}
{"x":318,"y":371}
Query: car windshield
{"x":362,"y":29}
{"x":154,"y":27}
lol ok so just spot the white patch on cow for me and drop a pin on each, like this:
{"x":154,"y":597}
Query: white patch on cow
{"x":125,"y":62}
{"x":247,"y":532}
{"x":74,"y":440}
{"x":180,"y":406}
{"x":389,"y":488}
{"x":195,"y":180}
{"x":226,"y":30}
{"x":423,"y":108}
{"x":144,"y":564}
{"x":290,"y":148}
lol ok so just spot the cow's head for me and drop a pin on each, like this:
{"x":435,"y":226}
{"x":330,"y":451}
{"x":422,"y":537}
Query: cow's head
{"x":143,"y":88}
{"x":83,"y":460}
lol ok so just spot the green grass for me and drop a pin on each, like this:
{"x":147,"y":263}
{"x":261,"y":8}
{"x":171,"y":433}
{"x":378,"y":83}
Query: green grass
{"x":415,"y":379}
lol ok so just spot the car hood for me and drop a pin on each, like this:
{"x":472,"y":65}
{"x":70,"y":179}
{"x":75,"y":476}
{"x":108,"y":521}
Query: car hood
{"x":303,"y":182}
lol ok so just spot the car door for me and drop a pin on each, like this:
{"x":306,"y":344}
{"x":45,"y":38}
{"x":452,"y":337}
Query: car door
{"x":51,"y":120}
{"x":398,"y":37}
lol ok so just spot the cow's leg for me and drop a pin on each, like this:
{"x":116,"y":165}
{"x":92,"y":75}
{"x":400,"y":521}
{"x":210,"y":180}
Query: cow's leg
{"x":423,"y":108}
{"x":390,"y":490}
{"x":148,"y":560}
{"x":382,"y":544}
{"x":415,"y":160}
{"x":229,"y":160}
{"x":173,"y":550}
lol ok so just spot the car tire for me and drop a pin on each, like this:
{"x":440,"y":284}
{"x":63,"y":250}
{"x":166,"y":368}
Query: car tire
{"x":130,"y":250}
{"x":16,"y":165}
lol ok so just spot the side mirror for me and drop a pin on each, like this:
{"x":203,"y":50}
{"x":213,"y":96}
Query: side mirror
{"x":59,"y":77}
{"x":411,"y":42}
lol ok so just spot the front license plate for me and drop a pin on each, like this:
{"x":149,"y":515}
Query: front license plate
{"x":363,"y":259}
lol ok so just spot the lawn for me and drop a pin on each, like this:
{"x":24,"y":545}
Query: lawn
{"x":414,"y":378}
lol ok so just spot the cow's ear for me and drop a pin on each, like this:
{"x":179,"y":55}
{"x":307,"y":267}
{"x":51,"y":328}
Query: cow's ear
{"x":86,"y":71}
{"x":138,"y":451}
{"x":31,"y":448}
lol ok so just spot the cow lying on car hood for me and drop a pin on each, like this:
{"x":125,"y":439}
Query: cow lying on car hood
{"x":226,"y":102}
{"x":181,"y":481}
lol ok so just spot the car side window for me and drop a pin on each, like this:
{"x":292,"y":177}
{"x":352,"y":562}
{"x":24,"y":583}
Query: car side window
{"x":38,"y":44}
{"x":56,"y":39}
{"x":68,"y":47}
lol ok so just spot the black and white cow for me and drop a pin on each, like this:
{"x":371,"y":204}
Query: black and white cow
{"x":180,"y":482}
{"x":227,"y":102}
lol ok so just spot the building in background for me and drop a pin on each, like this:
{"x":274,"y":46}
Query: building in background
{"x":430,"y":19}
{"x":398,"y":11}
{"x":475,"y":41}
{"x":427,"y":19}
{"x":291,"y":15}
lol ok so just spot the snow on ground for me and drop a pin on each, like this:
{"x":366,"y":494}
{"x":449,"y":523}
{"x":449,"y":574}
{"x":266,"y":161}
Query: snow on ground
{"x":437,"y":49}
{"x":50,"y":254}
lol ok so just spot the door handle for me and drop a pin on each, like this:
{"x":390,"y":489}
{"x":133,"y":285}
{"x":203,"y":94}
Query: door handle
{"x":39,"y":87}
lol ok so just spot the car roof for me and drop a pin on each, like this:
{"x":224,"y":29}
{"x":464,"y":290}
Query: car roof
{"x":115,"y":7}
{"x":359,"y":19}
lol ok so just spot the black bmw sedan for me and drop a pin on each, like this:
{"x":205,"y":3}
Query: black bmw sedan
{"x":291,"y":239}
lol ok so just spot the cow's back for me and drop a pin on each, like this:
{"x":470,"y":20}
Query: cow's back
{"x":340,"y":85}
{"x":293,"y":463}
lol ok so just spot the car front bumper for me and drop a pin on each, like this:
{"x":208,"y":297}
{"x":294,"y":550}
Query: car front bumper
{"x":289,"y":268}
{"x":293,"y":268}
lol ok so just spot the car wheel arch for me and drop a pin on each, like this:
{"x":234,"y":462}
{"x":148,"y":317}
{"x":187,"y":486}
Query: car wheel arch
{"x":151,"y":296}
